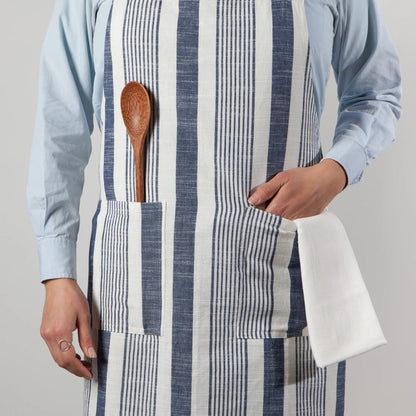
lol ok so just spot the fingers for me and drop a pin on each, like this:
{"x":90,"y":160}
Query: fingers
{"x":267,"y":190}
{"x":85,"y":363}
{"x":85,"y":336}
{"x":65,"y":359}
{"x":69,"y":361}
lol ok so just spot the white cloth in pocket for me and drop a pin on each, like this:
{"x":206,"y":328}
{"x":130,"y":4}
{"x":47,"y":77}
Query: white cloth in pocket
{"x":341,"y":319}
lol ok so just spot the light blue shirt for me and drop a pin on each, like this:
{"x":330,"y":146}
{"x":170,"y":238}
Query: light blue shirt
{"x":349,"y":35}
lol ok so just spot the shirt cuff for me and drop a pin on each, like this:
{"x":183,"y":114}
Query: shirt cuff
{"x":57,"y":258}
{"x":351,"y":155}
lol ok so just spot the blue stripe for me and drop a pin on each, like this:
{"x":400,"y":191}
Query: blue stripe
{"x":90,"y":287}
{"x":274,"y":371}
{"x":339,"y":409}
{"x":151,"y":224}
{"x":186,"y":206}
{"x":282,"y":18}
{"x":91,"y":257}
{"x":297,"y":317}
{"x":108,"y":173}
{"x":103,"y":350}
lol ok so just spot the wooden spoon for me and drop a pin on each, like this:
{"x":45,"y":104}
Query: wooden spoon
{"x":135,"y":108}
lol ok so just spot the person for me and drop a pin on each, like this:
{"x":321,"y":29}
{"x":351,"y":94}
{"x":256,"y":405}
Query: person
{"x":195,"y":302}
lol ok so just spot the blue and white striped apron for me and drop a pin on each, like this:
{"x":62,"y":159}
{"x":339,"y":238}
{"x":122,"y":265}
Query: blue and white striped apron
{"x":196,"y":296}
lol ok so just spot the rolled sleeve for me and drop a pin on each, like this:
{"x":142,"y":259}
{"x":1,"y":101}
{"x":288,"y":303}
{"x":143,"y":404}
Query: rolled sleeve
{"x":61,"y":143}
{"x":368,"y":74}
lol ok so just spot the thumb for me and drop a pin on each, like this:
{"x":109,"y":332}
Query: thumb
{"x":267,"y":190}
{"x":85,"y":336}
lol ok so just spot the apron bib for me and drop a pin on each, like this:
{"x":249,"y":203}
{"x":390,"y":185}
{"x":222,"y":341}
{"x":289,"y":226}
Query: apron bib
{"x":196,"y":296}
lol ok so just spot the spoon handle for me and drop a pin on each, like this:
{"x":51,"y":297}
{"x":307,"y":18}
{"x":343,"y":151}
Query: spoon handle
{"x":139,"y":164}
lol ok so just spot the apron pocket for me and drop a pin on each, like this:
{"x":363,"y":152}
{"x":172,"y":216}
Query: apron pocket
{"x":264,"y":284}
{"x":128,"y":284}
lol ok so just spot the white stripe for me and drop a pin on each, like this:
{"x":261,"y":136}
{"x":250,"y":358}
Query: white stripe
{"x":118,"y":14}
{"x":300,"y":48}
{"x":206,"y":207}
{"x":167,"y":184}
{"x":163,"y":270}
{"x":289,"y":345}
{"x":101,"y":169}
{"x":263,"y":90}
{"x":131,"y":14}
{"x":282,"y":282}
{"x":135,"y":315}
{"x":255,"y":376}
{"x":331,"y":389}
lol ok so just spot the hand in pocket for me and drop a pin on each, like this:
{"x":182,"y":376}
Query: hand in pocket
{"x":301,"y":192}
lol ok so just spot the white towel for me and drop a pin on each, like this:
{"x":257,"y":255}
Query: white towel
{"x":341,"y":319}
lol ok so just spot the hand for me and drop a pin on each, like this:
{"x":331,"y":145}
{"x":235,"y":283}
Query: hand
{"x":66,"y":309}
{"x":301,"y":192}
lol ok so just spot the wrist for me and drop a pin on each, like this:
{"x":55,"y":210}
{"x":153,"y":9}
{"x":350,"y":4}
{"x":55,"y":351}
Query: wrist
{"x":61,"y":281}
{"x":336,"y":173}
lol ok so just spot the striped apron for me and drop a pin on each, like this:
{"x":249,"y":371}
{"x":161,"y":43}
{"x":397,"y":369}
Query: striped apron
{"x":196,"y":297}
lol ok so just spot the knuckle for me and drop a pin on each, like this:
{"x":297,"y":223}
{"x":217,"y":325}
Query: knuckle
{"x":265,"y":191}
{"x":282,"y":176}
{"x":45,"y":332}
{"x":59,"y":330}
{"x":64,"y":362}
{"x":59,"y":361}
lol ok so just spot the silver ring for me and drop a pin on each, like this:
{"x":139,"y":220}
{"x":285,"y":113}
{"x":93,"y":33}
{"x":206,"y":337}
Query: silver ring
{"x":68,"y":346}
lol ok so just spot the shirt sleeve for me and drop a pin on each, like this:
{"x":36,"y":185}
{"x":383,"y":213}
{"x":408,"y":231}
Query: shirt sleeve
{"x":368,"y":74}
{"x":61,"y":143}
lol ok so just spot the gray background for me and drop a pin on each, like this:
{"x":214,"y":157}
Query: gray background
{"x":378,"y":214}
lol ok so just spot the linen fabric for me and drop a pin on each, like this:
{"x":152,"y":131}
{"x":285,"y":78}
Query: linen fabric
{"x":196,"y":296}
{"x":342,"y":322}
